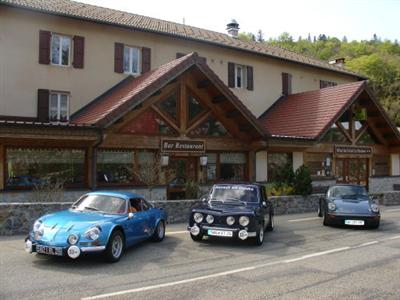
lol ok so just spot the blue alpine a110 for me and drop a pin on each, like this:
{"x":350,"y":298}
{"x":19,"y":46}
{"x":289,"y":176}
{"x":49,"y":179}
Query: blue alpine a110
{"x":107,"y":222}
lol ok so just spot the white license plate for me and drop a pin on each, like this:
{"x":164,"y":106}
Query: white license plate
{"x":49,"y":250}
{"x":224,"y":233}
{"x":354,"y":222}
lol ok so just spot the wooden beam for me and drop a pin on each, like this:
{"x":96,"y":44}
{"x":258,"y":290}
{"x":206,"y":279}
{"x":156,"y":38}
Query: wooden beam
{"x":352,"y":123}
{"x":203,"y":117}
{"x":218,"y":99}
{"x":166,"y":91}
{"x":232,"y":114}
{"x":377,"y":133}
{"x":166,"y":118}
{"x":2,"y":167}
{"x":344,"y":131}
{"x":244,"y":127}
{"x":361,"y":131}
{"x":203,"y":84}
{"x":183,"y":105}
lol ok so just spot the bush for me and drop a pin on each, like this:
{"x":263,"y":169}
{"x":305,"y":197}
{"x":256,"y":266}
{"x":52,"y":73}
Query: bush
{"x":192,"y":189}
{"x":302,"y":181}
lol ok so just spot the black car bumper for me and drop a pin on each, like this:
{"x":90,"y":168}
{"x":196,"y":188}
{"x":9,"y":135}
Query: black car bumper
{"x":353,"y":220}
{"x":221,"y":232}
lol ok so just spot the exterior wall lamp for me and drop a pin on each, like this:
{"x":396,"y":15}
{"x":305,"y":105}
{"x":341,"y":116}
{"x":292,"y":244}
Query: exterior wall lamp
{"x":203,"y":160}
{"x":164,"y":161}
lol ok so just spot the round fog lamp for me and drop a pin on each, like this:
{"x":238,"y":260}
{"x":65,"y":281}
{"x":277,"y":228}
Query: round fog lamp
{"x":72,"y":239}
{"x":230,"y":220}
{"x":73,"y":252}
{"x":210,"y":219}
{"x":243,"y":234}
{"x":28,"y":246}
{"x":195,"y":230}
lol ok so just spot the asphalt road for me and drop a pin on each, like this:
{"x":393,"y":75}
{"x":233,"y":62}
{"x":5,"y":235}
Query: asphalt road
{"x":301,"y":259}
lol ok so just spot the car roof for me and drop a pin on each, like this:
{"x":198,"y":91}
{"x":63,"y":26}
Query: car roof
{"x":240,"y":183}
{"x":344,"y":184}
{"x":124,"y":195}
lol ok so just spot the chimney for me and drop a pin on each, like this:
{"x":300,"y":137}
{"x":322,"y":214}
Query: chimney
{"x":233,"y":28}
{"x":338,"y":62}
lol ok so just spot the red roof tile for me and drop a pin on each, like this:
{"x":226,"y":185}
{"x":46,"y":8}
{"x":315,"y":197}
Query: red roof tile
{"x":308,"y":114}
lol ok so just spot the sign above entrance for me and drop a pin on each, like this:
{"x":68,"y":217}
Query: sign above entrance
{"x":193,"y":146}
{"x":353,"y":150}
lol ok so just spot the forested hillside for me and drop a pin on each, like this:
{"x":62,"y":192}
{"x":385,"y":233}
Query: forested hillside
{"x":377,"y":59}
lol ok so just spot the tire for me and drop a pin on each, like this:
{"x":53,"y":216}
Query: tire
{"x":115,"y":247}
{"x":259,"y":239}
{"x":319,"y":209}
{"x":374,"y":226}
{"x":197,"y":238}
{"x":159,"y":233}
{"x":325,"y":220}
{"x":271,"y":223}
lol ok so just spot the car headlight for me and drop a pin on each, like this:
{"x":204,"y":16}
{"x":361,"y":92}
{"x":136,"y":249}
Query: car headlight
{"x":244,"y":221}
{"x":210,"y":219}
{"x":93,"y":233}
{"x":198,"y":217}
{"x":331,"y":206}
{"x":73,"y":239}
{"x":230,"y":220}
{"x":375,"y":207}
{"x":37,"y":225}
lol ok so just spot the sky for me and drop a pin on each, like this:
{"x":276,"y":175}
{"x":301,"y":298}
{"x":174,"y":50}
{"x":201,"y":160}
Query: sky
{"x":355,"y":19}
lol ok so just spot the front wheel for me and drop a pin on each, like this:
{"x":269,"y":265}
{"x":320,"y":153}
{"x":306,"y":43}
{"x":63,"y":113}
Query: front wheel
{"x":374,"y":226}
{"x":196,"y":238}
{"x":159,"y":233}
{"x":325,"y":219}
{"x":115,"y":247}
{"x":259,"y":239}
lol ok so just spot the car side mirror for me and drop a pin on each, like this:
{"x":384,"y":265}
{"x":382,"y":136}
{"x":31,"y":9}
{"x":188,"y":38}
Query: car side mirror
{"x":264,"y":204}
{"x":130,"y":215}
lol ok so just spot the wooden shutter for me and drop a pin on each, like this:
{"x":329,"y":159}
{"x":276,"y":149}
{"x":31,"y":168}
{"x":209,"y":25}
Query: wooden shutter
{"x":231,"y":74}
{"x":43,"y":105}
{"x":250,"y":81}
{"x":79,"y":52}
{"x":119,"y":58}
{"x":146,"y":60}
{"x":286,"y":84}
{"x":44,"y":47}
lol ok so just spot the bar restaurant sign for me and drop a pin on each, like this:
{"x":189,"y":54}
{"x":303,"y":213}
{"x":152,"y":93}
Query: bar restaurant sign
{"x":353,"y":150}
{"x":193,"y":146}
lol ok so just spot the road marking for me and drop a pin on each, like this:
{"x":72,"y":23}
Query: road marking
{"x":303,"y":219}
{"x":194,"y":279}
{"x":176,"y":232}
{"x":368,"y":244}
{"x":392,"y":238}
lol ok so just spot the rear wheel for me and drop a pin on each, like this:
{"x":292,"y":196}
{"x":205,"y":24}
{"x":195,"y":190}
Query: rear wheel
{"x":271,"y":223}
{"x":259,"y":239}
{"x":115,"y":247}
{"x":159,"y":233}
{"x":319,"y":209}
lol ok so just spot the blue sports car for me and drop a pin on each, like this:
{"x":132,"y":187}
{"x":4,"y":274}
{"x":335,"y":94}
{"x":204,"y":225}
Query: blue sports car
{"x":106,"y":222}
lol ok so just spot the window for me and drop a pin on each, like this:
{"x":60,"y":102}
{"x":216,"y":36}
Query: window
{"x":278,"y":164}
{"x":326,"y":83}
{"x":131,"y":60}
{"x":115,"y":166}
{"x":28,"y":167}
{"x":169,"y":105}
{"x":233,"y":166}
{"x":59,"y":107}
{"x":380,"y":165}
{"x":240,"y":75}
{"x":211,"y":127}
{"x":209,"y":172}
{"x":60,"y":50}
{"x":195,"y":108}
{"x":319,"y":164}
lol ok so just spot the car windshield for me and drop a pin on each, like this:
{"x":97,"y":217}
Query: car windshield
{"x":237,"y":194}
{"x":350,"y":191}
{"x":101,"y":203}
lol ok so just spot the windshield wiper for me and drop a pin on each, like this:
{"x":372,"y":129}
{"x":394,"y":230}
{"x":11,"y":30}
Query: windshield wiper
{"x":91,"y":208}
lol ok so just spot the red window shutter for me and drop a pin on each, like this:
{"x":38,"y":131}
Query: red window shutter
{"x":231,"y":74}
{"x":43,"y":105}
{"x":146,"y":60}
{"x":79,"y":52}
{"x":119,"y":58}
{"x":250,"y":81}
{"x":286,"y":84}
{"x":44,"y":47}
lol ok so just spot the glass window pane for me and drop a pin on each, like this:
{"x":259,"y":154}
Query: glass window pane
{"x":66,"y":44}
{"x":169,"y":105}
{"x":115,"y":166}
{"x":278,"y":163}
{"x":211,"y":127}
{"x":135,"y":60}
{"x":126,"y":59}
{"x":335,"y":135}
{"x":63,"y":107}
{"x":239,"y":76}
{"x":55,"y":49}
{"x":233,"y":166}
{"x":53,"y":109}
{"x":36,"y":167}
{"x":195,"y":108}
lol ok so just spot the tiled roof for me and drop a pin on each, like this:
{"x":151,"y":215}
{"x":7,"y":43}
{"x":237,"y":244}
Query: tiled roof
{"x":307,"y":115}
{"x":120,"y":18}
{"x":123,"y":97}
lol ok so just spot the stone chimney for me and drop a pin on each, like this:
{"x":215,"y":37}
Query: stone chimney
{"x":233,"y":28}
{"x":338,"y":62}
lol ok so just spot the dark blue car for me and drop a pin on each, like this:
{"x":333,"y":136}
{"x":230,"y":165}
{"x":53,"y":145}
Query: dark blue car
{"x":106,"y":222}
{"x":349,"y":205}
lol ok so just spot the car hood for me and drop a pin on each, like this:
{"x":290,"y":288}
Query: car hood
{"x":221,"y":209}
{"x":352,"y":206}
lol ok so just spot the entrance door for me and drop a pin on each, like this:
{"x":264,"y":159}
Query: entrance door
{"x":181,"y":170}
{"x":352,"y":170}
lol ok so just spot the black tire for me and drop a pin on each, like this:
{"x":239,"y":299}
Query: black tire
{"x":159,"y":233}
{"x":259,"y":239}
{"x":197,"y":238}
{"x":374,"y":226}
{"x":325,"y":220}
{"x":112,"y":254}
{"x":319,"y":209}
{"x":271,"y":223}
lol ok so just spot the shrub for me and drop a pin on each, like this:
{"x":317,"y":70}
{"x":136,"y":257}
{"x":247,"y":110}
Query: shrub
{"x":302,"y":181}
{"x":192,"y":189}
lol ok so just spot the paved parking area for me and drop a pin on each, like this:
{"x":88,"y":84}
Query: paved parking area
{"x":301,"y":259}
